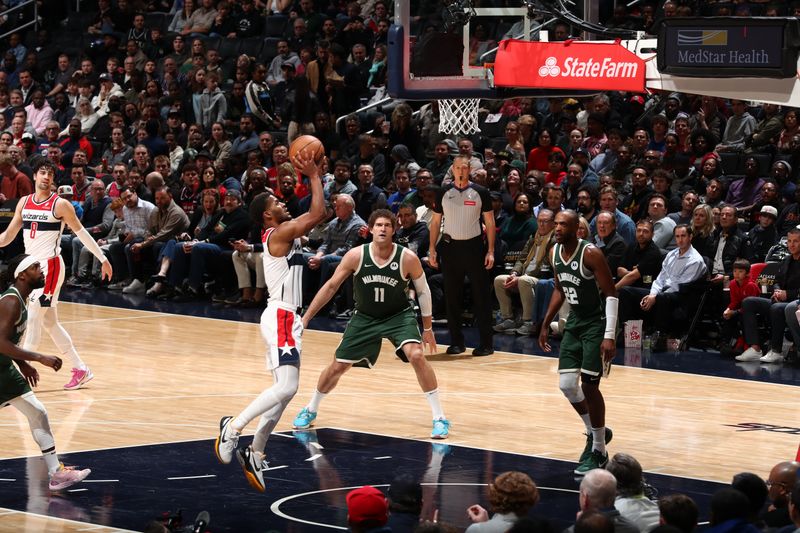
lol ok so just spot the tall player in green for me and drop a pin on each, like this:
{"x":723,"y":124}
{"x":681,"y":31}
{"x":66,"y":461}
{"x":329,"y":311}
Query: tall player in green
{"x":588,"y":344}
{"x":382,"y":272}
{"x":25,"y":275}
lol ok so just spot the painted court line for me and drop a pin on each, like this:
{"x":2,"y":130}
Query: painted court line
{"x":191,"y":477}
{"x":382,"y":457}
{"x":6,"y":479}
{"x":274,"y":468}
{"x":314,"y":457}
{"x":77,"y":490}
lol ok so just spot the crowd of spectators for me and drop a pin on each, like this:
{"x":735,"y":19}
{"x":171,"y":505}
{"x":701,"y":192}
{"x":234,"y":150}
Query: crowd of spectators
{"x":169,"y":123}
{"x":616,"y":499}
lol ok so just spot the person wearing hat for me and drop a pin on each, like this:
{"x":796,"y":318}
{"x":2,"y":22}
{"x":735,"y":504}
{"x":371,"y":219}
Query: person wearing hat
{"x":108,"y":88}
{"x":24,"y":275}
{"x":764,"y":235}
{"x":68,"y":193}
{"x":367,"y":510}
{"x":285,"y":57}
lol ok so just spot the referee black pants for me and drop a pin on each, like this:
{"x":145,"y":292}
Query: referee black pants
{"x":459,"y":259}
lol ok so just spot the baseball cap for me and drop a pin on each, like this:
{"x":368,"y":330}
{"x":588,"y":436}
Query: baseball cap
{"x":235,"y":193}
{"x":28,"y":136}
{"x":367,"y":504}
{"x":105,"y":76}
{"x":65,"y":190}
{"x":204,"y":153}
{"x":503,"y":154}
{"x":288,"y":65}
{"x":581,"y":151}
{"x":769,"y":210}
{"x":174,"y":112}
{"x":637,"y":100}
{"x":495,"y":195}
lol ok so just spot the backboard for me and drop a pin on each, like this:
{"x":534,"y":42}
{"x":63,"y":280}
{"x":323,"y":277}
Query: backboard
{"x":434,"y":54}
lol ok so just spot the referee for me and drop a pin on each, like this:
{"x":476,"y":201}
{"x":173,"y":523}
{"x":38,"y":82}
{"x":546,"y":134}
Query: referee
{"x":463,"y":204}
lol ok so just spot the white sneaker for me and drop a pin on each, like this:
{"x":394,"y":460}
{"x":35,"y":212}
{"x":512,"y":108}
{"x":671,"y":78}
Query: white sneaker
{"x":750,"y":354}
{"x":135,"y":287}
{"x":227,"y":441}
{"x":772,"y":357}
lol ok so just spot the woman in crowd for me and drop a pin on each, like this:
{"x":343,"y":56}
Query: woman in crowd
{"x":514,"y":143}
{"x":86,"y":114}
{"x":791,"y":127}
{"x":118,"y":152}
{"x":218,"y":145}
{"x":179,"y":20}
{"x":377,"y":70}
{"x":538,"y":158}
{"x":511,"y":496}
{"x":517,"y":229}
{"x":703,"y":230}
{"x":402,"y":129}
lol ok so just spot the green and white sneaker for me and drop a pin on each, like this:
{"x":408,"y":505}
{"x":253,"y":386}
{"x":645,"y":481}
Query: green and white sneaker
{"x":594,"y":460}
{"x":590,"y":442}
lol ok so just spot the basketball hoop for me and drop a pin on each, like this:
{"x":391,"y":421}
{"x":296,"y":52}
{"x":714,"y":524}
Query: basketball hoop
{"x":459,"y":116}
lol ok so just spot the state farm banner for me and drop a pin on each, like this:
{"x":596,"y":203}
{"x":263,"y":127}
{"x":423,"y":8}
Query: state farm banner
{"x":568,"y":65}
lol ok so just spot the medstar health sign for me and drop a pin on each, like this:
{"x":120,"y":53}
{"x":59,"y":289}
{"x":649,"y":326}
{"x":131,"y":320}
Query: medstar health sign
{"x":571,"y":65}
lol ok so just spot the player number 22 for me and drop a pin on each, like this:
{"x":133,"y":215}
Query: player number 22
{"x":379,"y":294}
{"x":571,"y":295}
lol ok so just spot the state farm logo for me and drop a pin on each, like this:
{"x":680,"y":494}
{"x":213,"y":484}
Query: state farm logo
{"x":577,"y":68}
{"x":550,"y":68}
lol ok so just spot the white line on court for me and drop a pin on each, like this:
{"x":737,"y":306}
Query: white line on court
{"x":77,"y":490}
{"x":274,"y":468}
{"x":382,"y":457}
{"x":6,"y":479}
{"x":314,"y":457}
{"x":191,"y":477}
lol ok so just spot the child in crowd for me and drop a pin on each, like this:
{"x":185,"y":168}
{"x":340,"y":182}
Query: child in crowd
{"x":741,"y":287}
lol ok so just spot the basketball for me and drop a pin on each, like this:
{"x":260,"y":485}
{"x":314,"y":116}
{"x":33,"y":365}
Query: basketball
{"x":309,"y":143}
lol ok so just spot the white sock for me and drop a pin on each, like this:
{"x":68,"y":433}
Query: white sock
{"x":587,"y":422}
{"x":313,"y":405}
{"x":51,"y":460}
{"x":435,"y":403}
{"x":599,"y":439}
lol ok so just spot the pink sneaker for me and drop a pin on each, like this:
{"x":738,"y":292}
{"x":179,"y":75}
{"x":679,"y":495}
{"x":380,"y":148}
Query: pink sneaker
{"x":79,"y":378}
{"x":67,"y":476}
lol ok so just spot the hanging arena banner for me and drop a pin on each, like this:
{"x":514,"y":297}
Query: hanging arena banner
{"x":568,"y":65}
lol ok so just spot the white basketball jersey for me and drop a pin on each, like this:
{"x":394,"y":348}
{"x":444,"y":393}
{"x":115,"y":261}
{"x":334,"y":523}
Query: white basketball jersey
{"x":284,"y":275}
{"x":41,"y":229}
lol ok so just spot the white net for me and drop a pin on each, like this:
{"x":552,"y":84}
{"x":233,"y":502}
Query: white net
{"x":458,"y":117}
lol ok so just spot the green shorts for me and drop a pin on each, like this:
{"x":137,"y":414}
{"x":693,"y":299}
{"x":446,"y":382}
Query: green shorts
{"x":361,"y":342}
{"x":580,"y":345}
{"x":12,"y":384}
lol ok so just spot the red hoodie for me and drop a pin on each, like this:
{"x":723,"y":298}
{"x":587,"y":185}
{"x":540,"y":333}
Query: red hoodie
{"x":740,"y":292}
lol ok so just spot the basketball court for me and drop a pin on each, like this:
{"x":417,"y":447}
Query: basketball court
{"x":165,"y":374}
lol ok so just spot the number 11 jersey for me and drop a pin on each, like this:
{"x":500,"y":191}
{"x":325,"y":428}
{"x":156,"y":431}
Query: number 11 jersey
{"x":381,"y":291}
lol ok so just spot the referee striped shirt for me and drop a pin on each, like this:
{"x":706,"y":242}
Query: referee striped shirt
{"x":462,"y":210}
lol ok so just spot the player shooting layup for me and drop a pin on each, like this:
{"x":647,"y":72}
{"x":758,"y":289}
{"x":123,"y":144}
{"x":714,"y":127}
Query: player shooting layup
{"x":281,"y":326}
{"x":25,"y":274}
{"x":382,"y":271}
{"x":588,"y":344}
{"x":42,"y":216}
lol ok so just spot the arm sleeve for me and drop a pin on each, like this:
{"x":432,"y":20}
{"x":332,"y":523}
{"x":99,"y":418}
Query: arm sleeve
{"x":423,"y":295}
{"x":90,"y":244}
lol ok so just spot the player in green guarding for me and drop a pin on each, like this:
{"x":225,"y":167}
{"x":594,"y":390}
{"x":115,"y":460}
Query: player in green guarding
{"x":588,"y":344}
{"x":382,"y":271}
{"x":25,"y":275}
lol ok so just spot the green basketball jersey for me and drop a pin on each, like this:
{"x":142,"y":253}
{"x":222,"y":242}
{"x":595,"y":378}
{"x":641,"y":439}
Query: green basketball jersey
{"x":20,"y":325}
{"x":578,"y":283}
{"x":380,"y":291}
